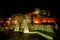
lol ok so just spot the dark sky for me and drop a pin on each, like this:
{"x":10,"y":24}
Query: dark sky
{"x":26,"y":6}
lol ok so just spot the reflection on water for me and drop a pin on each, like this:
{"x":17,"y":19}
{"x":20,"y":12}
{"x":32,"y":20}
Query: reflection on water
{"x":21,"y":36}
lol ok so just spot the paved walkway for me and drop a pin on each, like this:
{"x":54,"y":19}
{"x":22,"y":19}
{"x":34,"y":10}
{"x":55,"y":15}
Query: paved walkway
{"x":44,"y":35}
{"x":21,"y":36}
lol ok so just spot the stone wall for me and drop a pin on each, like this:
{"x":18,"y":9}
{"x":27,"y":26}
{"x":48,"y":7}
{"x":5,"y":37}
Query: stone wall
{"x":48,"y":28}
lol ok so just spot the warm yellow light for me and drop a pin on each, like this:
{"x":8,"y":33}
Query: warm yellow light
{"x":37,"y":10}
{"x":15,"y":21}
{"x":9,"y":18}
{"x":36,"y":20}
{"x":44,"y":20}
{"x":51,"y":20}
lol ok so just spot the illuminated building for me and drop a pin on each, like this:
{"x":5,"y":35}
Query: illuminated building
{"x":36,"y":20}
{"x":42,"y":21}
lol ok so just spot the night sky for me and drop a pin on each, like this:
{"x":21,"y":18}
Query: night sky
{"x":7,"y":8}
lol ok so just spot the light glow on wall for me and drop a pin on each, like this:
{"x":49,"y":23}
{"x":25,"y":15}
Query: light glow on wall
{"x":36,"y":20}
{"x":6,"y":27}
{"x":15,"y":21}
{"x":48,"y":20}
{"x":44,"y":20}
{"x":51,"y":20}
